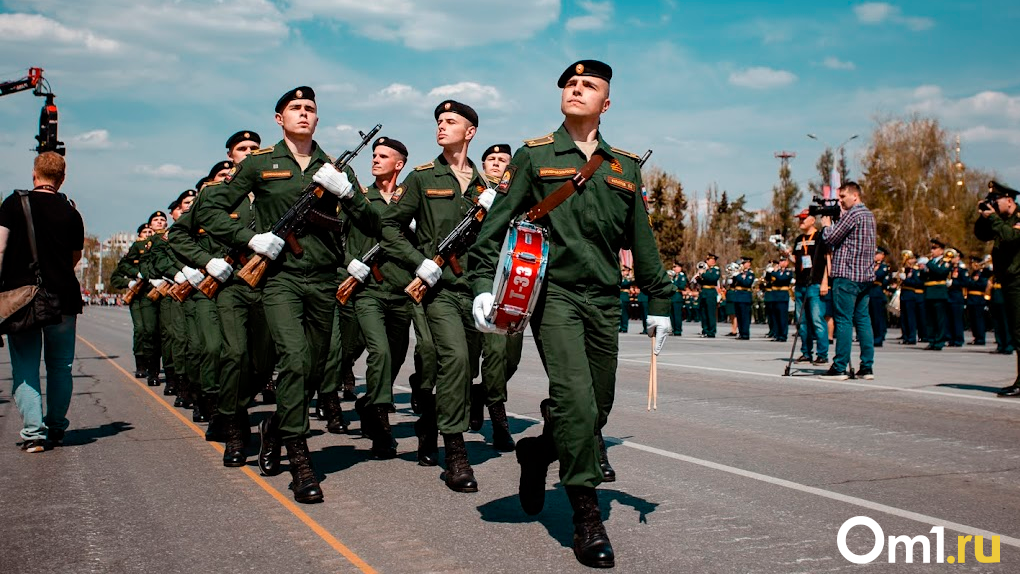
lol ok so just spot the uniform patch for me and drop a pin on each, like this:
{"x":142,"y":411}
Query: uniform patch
{"x":397,"y":194}
{"x":201,"y":231}
{"x":507,"y":179}
{"x":277,"y":174}
{"x":439,"y":192}
{"x":230,"y":174}
{"x":616,"y":166}
{"x":425,"y":166}
{"x":557,"y":171}
{"x":235,"y":216}
{"x":621,"y":183}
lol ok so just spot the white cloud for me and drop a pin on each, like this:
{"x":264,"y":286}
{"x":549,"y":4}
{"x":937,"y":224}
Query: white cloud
{"x":168,"y":171}
{"x":596,"y":17}
{"x":762,"y":78}
{"x":93,"y":140}
{"x":981,"y":106}
{"x":995,"y":135}
{"x":34,"y":28}
{"x":834,"y":63}
{"x":880,"y":12}
{"x":398,"y":93}
{"x":472,"y":93}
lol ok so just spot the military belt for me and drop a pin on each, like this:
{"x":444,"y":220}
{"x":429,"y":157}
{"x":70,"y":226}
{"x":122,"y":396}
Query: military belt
{"x":914,"y":289}
{"x":933,"y":283}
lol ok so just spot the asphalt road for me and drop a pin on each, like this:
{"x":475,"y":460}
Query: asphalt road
{"x":738,"y":470}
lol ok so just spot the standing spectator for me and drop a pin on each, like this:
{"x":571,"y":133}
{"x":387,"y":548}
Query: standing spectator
{"x":809,"y":261}
{"x":852,"y":240}
{"x":60,"y":238}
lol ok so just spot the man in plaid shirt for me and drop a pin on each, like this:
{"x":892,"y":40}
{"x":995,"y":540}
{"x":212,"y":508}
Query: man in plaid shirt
{"x":852,"y":241}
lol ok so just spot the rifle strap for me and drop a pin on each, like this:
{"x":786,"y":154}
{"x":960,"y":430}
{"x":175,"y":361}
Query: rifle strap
{"x":557,"y":197}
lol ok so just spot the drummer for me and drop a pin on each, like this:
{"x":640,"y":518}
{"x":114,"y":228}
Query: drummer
{"x":579,"y":314}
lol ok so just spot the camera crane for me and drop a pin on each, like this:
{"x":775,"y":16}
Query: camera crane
{"x":34,"y":81}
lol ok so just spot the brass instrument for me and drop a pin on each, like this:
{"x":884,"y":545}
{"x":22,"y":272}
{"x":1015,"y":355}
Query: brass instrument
{"x":780,"y":244}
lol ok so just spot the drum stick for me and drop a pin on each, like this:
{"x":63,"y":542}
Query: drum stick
{"x":652,"y":390}
{"x":655,"y":382}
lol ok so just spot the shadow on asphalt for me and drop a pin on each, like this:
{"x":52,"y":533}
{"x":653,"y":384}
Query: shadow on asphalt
{"x":962,"y":387}
{"x":556,"y":516}
{"x":82,"y":436}
{"x":96,"y":357}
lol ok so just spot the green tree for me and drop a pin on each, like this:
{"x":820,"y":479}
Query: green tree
{"x":786,"y":197}
{"x":667,"y":206}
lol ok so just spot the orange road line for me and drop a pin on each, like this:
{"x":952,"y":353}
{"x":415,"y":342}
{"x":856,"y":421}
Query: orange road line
{"x":255,"y":477}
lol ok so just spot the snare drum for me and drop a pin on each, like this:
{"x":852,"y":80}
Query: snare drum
{"x":519,"y":279}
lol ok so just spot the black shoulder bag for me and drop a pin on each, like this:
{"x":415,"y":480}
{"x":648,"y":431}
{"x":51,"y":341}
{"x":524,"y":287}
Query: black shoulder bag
{"x":32,"y":306}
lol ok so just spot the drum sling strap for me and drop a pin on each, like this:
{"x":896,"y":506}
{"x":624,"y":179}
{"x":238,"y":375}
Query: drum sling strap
{"x":557,"y":197}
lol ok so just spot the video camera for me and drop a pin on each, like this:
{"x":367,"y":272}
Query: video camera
{"x":825,"y":207}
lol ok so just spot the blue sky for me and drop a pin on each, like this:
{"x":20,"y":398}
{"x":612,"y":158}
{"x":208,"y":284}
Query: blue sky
{"x":149,"y":91}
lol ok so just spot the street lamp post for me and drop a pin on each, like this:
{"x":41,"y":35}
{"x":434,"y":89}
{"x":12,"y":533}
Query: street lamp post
{"x":834,"y":180}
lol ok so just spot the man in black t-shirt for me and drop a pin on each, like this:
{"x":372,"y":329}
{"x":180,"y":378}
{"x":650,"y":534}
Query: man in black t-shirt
{"x":808,"y":256}
{"x":60,"y":238}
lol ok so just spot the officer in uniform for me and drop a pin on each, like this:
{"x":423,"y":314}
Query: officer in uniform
{"x":911,"y":300}
{"x":1000,"y":222}
{"x":936,"y":295}
{"x":740,"y":294}
{"x":877,"y":302}
{"x":708,"y":297}
{"x":577,"y":313}
{"x":437,"y":195}
{"x":676,"y":315}
{"x":977,"y":299}
{"x":957,"y":298}
{"x":124,"y":276}
{"x":780,"y":281}
{"x":298,"y":293}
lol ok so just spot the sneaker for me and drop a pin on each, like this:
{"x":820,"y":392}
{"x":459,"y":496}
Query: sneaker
{"x":835,"y":374}
{"x":803,"y":359}
{"x":820,"y":361}
{"x":34,"y":445}
{"x":866,"y":373}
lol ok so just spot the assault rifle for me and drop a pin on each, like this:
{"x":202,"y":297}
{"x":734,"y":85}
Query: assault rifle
{"x":210,"y":286}
{"x":644,"y":158}
{"x":346,"y":289}
{"x":452,"y":246}
{"x":133,"y":292}
{"x":294,"y":220}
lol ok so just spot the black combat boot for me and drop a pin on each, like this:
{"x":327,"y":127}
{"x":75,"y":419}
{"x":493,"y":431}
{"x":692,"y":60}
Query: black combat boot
{"x":535,"y":454}
{"x":426,"y":430}
{"x":140,"y":371}
{"x":366,"y":416}
{"x":202,"y":408}
{"x":459,"y":477}
{"x":171,"y":381}
{"x":320,"y":406}
{"x":348,"y":385}
{"x":502,"y":440}
{"x":153,"y":374}
{"x":233,"y":451}
{"x":477,"y":407}
{"x":304,"y":483}
{"x":269,"y":450}
{"x":269,"y":391}
{"x":608,"y":474}
{"x":591,"y":543}
{"x":335,"y":421}
{"x":415,"y":381}
{"x":383,"y":445}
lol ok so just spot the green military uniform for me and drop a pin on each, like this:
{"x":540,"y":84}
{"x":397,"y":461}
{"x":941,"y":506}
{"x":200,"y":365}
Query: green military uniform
{"x":153,"y":269}
{"x":677,"y":303}
{"x":431,"y":195}
{"x":777,"y":300}
{"x":175,"y":328}
{"x":125,"y":272}
{"x":708,"y":300}
{"x":740,"y":295}
{"x":145,"y":315}
{"x":1005,"y":302}
{"x":936,"y":299}
{"x":577,"y":316}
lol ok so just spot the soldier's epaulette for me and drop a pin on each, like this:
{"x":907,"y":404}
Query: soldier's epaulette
{"x":626,"y":153}
{"x":544,"y":140}
{"x":425,"y":166}
{"x":262,"y":150}
{"x":212,"y":183}
{"x":364,"y":190}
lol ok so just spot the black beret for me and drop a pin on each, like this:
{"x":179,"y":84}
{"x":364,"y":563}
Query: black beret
{"x":997,"y":190}
{"x":586,"y":68}
{"x":173,"y":205}
{"x":935,"y":241}
{"x":746,"y":259}
{"x":156,"y":214}
{"x":497,"y":148}
{"x":298,"y":93}
{"x":882,"y":250}
{"x":392,"y":144}
{"x":220,"y":166}
{"x":186,"y":194}
{"x":241,"y":136}
{"x":711,"y":256}
{"x":201,"y":182}
{"x":141,"y":228}
{"x":458,"y":108}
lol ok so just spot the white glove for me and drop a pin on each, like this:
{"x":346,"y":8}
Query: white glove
{"x":480,"y":309}
{"x":194,"y":275}
{"x":358,"y":270}
{"x":902,"y":276}
{"x":334,"y":181}
{"x":219,"y":269}
{"x":266,"y":244}
{"x":429,"y":272}
{"x":132,"y":283}
{"x":922,"y":260}
{"x":180,"y":278}
{"x":413,"y":226}
{"x":660,"y":328}
{"x":486,"y":199}
{"x":157,"y":283}
{"x":140,"y":275}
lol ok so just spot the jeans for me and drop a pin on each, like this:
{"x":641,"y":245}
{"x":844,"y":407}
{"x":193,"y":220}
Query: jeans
{"x":809,"y":295}
{"x":56,"y":344}
{"x":851,"y":301}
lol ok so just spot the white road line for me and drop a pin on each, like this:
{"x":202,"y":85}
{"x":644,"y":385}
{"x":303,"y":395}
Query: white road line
{"x":1009,"y":403}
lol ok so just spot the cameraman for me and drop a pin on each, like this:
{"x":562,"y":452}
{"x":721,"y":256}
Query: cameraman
{"x":999,"y":222}
{"x":852,"y":241}
{"x":809,"y":260}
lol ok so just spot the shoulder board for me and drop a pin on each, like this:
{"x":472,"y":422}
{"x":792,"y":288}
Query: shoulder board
{"x":262,"y":150}
{"x":425,"y":166}
{"x":544,"y":140}
{"x":212,"y":183}
{"x":626,"y":153}
{"x":364,"y":190}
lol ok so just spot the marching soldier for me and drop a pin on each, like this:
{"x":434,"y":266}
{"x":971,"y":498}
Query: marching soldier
{"x":740,"y":294}
{"x":780,"y":279}
{"x":149,"y":308}
{"x":936,"y":295}
{"x":437,"y":195}
{"x":577,"y":313}
{"x":677,"y":299}
{"x":957,"y":298}
{"x":125,"y":276}
{"x":977,"y":300}
{"x":708,"y":297}
{"x":877,"y":301}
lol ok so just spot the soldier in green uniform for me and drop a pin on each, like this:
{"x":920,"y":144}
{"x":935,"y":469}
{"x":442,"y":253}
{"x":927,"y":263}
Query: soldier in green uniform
{"x":124,"y":276}
{"x":708,"y":297}
{"x":676,"y":315}
{"x":382,"y":308}
{"x":740,"y":294}
{"x":781,"y":280}
{"x":500,"y":353}
{"x":298,"y":292}
{"x":626,"y":279}
{"x":936,"y":296}
{"x":437,"y":196}
{"x":1000,"y":222}
{"x":576,"y":316}
{"x":148,"y":308}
